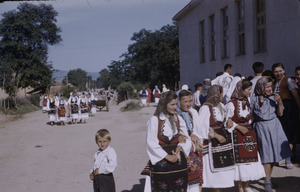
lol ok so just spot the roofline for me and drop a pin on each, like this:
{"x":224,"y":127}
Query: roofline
{"x":191,"y":5}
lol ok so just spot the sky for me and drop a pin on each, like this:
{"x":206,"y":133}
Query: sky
{"x":97,"y":32}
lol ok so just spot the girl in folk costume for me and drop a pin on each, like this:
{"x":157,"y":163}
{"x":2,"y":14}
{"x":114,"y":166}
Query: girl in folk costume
{"x":287,"y":89}
{"x":74,"y":109}
{"x":168,"y":145}
{"x":91,"y":103}
{"x":164,"y":89}
{"x":218,"y":164}
{"x":51,"y":109}
{"x":203,"y":94}
{"x":248,"y":163}
{"x":194,"y":160}
{"x":61,"y":110}
{"x":271,"y":139}
{"x":83,"y":108}
{"x":143,"y":96}
{"x":156,"y":93}
{"x":44,"y":102}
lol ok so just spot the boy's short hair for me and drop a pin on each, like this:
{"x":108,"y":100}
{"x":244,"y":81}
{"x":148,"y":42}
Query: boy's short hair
{"x":297,"y":68}
{"x":227,"y":66}
{"x":258,"y":67}
{"x":103,"y":133}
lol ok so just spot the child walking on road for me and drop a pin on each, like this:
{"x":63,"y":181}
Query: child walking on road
{"x":105,"y":162}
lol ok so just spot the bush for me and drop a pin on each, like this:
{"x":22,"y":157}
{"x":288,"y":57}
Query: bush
{"x":131,"y":106}
{"x":35,"y":100}
{"x":126,"y":89}
{"x":66,"y":90}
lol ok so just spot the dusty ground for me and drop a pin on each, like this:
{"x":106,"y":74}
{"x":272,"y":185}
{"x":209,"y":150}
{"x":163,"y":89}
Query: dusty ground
{"x":35,"y":156}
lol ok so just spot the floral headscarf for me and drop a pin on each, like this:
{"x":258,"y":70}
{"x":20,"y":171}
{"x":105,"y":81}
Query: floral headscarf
{"x":237,"y":93}
{"x":213,"y":97}
{"x":205,"y":87}
{"x":259,"y":89}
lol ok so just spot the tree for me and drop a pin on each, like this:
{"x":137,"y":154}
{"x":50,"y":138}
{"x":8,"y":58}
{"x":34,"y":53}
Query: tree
{"x":154,"y":57}
{"x":78,"y":78}
{"x":152,"y":60}
{"x":25,"y":35}
{"x":104,"y":80}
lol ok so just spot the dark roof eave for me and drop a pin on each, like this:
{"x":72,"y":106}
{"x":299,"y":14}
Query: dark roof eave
{"x":191,"y":5}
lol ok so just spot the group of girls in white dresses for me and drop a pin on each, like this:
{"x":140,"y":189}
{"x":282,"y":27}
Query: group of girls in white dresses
{"x":78,"y":108}
{"x":217,"y":146}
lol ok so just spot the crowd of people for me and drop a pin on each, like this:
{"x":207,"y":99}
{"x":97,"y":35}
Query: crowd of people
{"x":230,"y":131}
{"x":75,"y":109}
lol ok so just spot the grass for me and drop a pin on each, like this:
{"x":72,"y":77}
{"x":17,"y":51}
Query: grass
{"x":21,"y":110}
{"x":131,"y":106}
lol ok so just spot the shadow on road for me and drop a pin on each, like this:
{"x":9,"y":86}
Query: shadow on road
{"x":137,"y":187}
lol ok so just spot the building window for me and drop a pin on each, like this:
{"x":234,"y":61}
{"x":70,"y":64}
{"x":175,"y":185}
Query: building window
{"x":225,"y":33}
{"x":241,"y":27}
{"x":261,"y":45}
{"x":212,"y":38}
{"x":202,"y":45}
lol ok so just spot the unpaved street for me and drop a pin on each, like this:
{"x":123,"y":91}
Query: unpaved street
{"x":35,"y":156}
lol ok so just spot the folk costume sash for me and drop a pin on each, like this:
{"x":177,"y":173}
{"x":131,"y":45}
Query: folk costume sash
{"x":245,"y":145}
{"x":167,"y":176}
{"x":44,"y":102}
{"x":195,"y":163}
{"x":220,"y":154}
{"x":61,"y":111}
{"x":51,"y":106}
{"x":83,"y":107}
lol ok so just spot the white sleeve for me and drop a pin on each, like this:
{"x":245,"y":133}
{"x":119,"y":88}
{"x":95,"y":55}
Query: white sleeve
{"x":196,"y":98}
{"x":186,"y":147}
{"x":229,"y":108}
{"x":111,"y":164}
{"x":94,"y":165}
{"x":154,"y":150}
{"x":292,"y":84}
{"x":201,"y":129}
{"x":215,"y":81}
{"x":48,"y":104}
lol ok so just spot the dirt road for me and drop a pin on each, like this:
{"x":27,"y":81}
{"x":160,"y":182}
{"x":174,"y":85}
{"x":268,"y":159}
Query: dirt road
{"x":35,"y":156}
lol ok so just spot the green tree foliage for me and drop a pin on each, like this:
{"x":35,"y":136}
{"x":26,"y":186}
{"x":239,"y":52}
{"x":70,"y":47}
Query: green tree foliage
{"x":104,"y":80}
{"x":78,"y":78}
{"x":66,"y":90}
{"x":126,"y":90}
{"x":25,"y":35}
{"x":152,"y":59}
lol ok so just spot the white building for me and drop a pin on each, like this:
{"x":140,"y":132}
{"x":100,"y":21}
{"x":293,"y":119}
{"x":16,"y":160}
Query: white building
{"x":213,"y":33}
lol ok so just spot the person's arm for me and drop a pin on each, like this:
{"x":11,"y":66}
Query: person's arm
{"x":185,"y":147}
{"x":154,"y":150}
{"x":214,"y":135}
{"x":279,"y":110}
{"x":110,"y":163}
{"x":230,"y":124}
